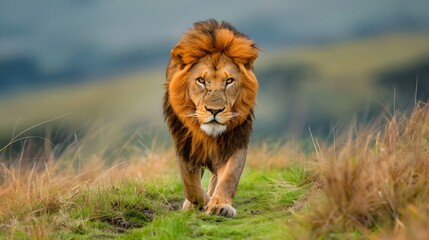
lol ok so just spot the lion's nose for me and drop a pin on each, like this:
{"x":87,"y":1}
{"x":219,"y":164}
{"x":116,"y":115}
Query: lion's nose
{"x":214,"y":111}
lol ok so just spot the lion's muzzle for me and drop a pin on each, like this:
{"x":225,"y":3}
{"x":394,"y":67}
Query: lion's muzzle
{"x":215,"y":100}
{"x":214,"y":111}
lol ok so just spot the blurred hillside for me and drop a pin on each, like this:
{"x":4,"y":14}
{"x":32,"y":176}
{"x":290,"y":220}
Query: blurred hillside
{"x":332,"y":85}
{"x":100,"y":64}
{"x":323,"y":87}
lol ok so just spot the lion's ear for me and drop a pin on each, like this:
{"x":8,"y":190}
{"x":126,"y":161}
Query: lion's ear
{"x":252,"y":56}
{"x":250,"y":61}
{"x":176,"y":56}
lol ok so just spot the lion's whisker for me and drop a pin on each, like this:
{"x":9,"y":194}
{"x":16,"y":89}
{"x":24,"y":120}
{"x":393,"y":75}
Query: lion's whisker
{"x":191,"y":115}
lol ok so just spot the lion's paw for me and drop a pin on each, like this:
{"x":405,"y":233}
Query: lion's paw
{"x":221,"y":210}
{"x":187,"y":205}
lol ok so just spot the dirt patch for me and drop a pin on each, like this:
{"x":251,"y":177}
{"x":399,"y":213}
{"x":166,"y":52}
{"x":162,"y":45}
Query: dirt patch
{"x":246,"y":201}
{"x":119,"y":222}
{"x":256,"y":212}
{"x":148,"y":213}
{"x":128,"y":218}
{"x":102,"y":236}
{"x":174,"y":204}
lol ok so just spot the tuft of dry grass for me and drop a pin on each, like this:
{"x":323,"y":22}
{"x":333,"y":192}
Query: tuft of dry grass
{"x":39,"y":191}
{"x":414,"y":225}
{"x":374,"y":179}
{"x":274,"y":155}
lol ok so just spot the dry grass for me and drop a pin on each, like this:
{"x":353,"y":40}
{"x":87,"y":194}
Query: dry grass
{"x":31,"y":193}
{"x":371,"y":183}
{"x":375,"y":180}
{"x":275,"y":155}
{"x":37,"y":189}
{"x":34,"y":199}
{"x":414,"y":225}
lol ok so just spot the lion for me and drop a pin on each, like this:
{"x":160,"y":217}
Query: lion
{"x":210,"y":93}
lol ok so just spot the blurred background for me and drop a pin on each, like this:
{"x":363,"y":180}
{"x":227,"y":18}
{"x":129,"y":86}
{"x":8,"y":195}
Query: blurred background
{"x":74,"y":67}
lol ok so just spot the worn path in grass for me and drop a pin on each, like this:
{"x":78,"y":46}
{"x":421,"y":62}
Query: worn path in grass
{"x":136,"y":210}
{"x":130,"y":209}
{"x":261,"y":203}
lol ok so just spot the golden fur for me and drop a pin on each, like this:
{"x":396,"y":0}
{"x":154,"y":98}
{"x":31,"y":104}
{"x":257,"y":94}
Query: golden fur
{"x":213,"y":52}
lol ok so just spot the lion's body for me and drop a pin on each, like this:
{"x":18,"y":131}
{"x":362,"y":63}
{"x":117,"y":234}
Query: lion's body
{"x":208,"y":107}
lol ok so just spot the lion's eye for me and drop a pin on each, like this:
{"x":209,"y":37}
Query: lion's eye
{"x":201,"y":80}
{"x":229,"y":80}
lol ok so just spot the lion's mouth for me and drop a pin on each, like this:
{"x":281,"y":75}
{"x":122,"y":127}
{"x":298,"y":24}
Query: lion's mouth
{"x":214,"y":121}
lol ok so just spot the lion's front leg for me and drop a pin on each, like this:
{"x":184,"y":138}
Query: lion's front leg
{"x":194,"y":193}
{"x":212,"y":184}
{"x":228,"y":177}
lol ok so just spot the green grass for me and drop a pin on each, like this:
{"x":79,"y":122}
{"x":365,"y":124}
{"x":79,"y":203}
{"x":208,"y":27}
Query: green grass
{"x":369,"y":186}
{"x":149,"y":210}
{"x":261,"y":215}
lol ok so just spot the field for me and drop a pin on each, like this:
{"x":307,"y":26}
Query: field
{"x":94,"y":161}
{"x":371,"y":183}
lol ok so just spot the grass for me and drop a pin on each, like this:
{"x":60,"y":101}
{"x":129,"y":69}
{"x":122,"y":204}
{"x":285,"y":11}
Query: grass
{"x":371,"y":183}
{"x":132,"y":209}
{"x":77,"y":194}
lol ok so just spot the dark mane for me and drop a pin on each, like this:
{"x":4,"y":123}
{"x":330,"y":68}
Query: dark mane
{"x":208,"y":27}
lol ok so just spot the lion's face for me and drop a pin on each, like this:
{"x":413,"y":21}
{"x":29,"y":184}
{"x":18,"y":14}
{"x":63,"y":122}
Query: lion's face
{"x":214,"y":89}
{"x":213,"y":95}
{"x":210,"y":83}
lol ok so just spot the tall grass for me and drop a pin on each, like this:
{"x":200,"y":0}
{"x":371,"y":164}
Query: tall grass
{"x":375,"y":180}
{"x":40,"y":190}
{"x":371,"y":182}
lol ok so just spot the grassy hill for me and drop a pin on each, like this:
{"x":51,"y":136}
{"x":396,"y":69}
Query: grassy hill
{"x":332,"y":83}
{"x":320,"y":85}
{"x":129,"y":97}
{"x":371,"y":183}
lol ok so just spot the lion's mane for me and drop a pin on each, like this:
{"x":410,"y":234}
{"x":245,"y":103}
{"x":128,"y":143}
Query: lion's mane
{"x":192,"y":145}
